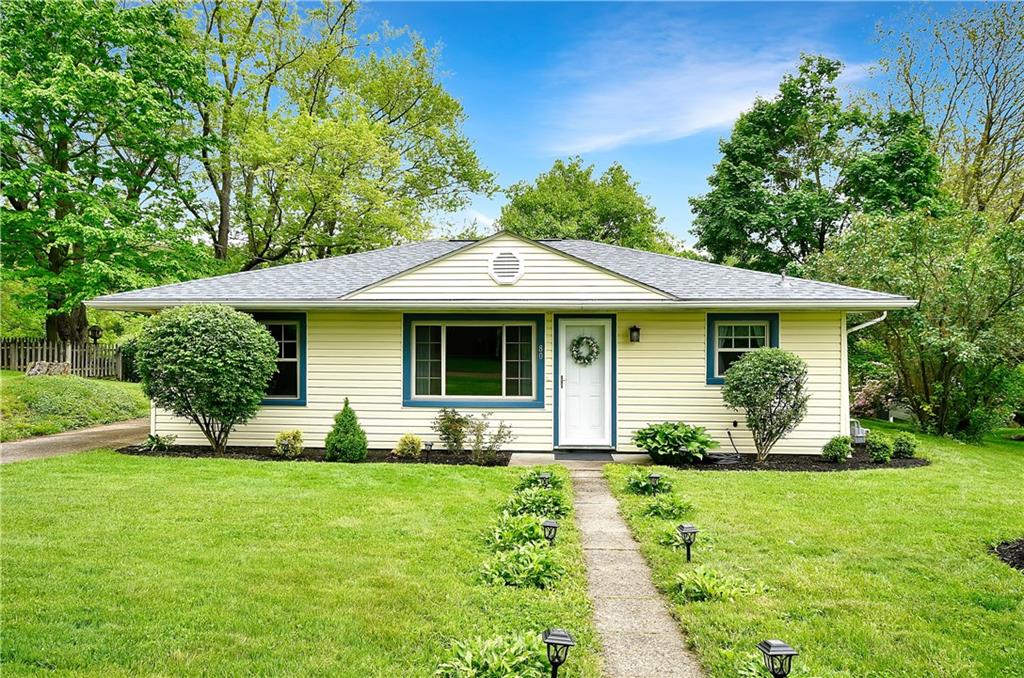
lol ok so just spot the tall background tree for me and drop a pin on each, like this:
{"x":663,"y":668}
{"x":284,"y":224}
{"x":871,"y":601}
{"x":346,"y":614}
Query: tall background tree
{"x":95,"y":108}
{"x":568,"y":201}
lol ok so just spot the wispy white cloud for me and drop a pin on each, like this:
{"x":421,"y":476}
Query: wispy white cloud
{"x":653,"y":76}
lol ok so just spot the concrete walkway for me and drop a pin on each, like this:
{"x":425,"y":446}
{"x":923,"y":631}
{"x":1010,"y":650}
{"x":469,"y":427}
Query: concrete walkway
{"x":110,"y":435}
{"x":639,"y":636}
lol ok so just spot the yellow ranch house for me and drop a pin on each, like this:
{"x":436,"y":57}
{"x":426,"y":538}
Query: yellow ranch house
{"x":574,"y":344}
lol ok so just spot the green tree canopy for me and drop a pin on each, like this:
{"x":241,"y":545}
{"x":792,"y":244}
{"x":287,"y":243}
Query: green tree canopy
{"x":94,"y":111}
{"x":569,"y":202}
{"x":798,"y":166}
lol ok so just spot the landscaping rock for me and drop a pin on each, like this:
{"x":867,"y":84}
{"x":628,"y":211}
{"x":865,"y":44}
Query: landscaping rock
{"x":45,"y":368}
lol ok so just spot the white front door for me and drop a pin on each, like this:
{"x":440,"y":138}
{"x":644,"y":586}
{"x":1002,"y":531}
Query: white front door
{"x":584,"y":396}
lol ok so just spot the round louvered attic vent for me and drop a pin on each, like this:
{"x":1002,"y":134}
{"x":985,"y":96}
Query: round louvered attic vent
{"x":506,"y":268}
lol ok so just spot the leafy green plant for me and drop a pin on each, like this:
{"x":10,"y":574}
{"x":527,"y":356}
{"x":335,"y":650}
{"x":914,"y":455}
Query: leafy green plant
{"x":288,"y":443}
{"x":208,"y":364}
{"x":523,"y":656}
{"x":667,"y":506}
{"x":837,"y":449}
{"x":880,"y":448}
{"x":450,"y":426}
{"x":532,"y":479}
{"x":674,"y":442}
{"x":409,"y":446}
{"x":904,"y":445}
{"x":512,"y":530}
{"x":486,"y":443}
{"x":704,"y":583}
{"x":157,"y":444}
{"x":639,"y":482}
{"x":528,"y":565}
{"x":347,"y":440}
{"x":769,"y":385}
{"x":538,"y":501}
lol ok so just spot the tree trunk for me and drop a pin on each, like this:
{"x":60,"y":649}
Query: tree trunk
{"x":220,"y":247}
{"x":71,"y":327}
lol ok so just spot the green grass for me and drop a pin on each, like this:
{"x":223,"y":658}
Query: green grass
{"x":43,"y":405}
{"x":116,"y":565}
{"x":869,"y":573}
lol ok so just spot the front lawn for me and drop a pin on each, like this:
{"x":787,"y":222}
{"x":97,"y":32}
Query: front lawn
{"x":42,"y":405}
{"x":868,"y":573}
{"x":117,"y":565}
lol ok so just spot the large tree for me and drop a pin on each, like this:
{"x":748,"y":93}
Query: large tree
{"x":323,"y":141}
{"x":94,"y":109}
{"x":568,"y":201}
{"x":964,"y":73}
{"x":798,"y":166}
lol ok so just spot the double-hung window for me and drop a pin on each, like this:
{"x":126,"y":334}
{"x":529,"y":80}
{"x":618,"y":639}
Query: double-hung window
{"x":287,"y":385}
{"x":731,"y":336}
{"x":485,"y":361}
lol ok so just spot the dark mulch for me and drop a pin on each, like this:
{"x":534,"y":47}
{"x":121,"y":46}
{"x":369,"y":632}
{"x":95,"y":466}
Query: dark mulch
{"x":801,"y":462}
{"x":1012,"y":553}
{"x":313,"y":454}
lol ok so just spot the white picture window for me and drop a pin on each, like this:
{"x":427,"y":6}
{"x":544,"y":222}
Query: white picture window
{"x":474,"y":359}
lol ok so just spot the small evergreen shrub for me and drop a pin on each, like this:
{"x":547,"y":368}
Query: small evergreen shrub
{"x":512,"y":530}
{"x":674,"y":442}
{"x":904,"y":445}
{"x":288,"y":444}
{"x":523,"y":656}
{"x":529,"y":565}
{"x":347,"y":440}
{"x":880,"y":448}
{"x":837,"y":449}
{"x":532,"y":479}
{"x":638,"y":482}
{"x":450,"y":426}
{"x":157,"y":444}
{"x":409,"y":446}
{"x":538,"y":501}
{"x":703,"y":583}
{"x":668,"y":506}
{"x":485,"y":443}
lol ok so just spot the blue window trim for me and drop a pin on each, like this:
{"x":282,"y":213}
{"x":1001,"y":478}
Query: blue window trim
{"x":773,"y":337}
{"x":614,"y":360}
{"x":301,"y":319}
{"x":537,"y":320}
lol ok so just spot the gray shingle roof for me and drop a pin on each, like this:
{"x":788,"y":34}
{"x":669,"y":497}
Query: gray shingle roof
{"x":329,"y":280}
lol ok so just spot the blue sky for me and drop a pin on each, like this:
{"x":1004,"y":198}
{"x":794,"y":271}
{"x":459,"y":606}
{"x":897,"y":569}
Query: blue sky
{"x":653,"y":86}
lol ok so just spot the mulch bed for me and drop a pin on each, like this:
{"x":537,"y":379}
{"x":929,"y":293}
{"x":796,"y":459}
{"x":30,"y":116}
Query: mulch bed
{"x":313,"y":454}
{"x":1011,"y":553}
{"x":804,"y":462}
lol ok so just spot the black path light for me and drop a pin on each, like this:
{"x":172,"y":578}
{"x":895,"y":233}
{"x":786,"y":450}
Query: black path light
{"x":95,"y":332}
{"x":428,"y":446}
{"x":544,"y":478}
{"x":558,"y":641}
{"x":655,"y":479}
{"x":778,"y":657}
{"x":550,"y":529}
{"x":688,"y":533}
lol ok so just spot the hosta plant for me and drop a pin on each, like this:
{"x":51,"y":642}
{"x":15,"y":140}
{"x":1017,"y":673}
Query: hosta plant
{"x":667,"y":506}
{"x":704,"y":583}
{"x":511,"y":531}
{"x":532,"y":565}
{"x":639,"y":482}
{"x":674,"y":442}
{"x":523,"y":656}
{"x":538,"y":501}
{"x":533,"y":479}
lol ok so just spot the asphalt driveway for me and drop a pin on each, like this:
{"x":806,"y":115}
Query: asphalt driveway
{"x":109,"y":435}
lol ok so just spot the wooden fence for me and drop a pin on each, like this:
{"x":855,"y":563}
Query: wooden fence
{"x":87,"y":360}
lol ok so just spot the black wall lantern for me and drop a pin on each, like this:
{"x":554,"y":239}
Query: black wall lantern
{"x":558,"y":641}
{"x":778,"y":657}
{"x":95,"y":332}
{"x":550,"y":530}
{"x":688,"y":533}
{"x":634,"y":335}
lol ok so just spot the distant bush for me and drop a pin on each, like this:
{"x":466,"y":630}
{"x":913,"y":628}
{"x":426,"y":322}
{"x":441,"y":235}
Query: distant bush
{"x":837,"y":449}
{"x":450,"y":426}
{"x":347,"y":440}
{"x":638,"y":482}
{"x":409,"y":446}
{"x":668,"y":506}
{"x":532,"y":479}
{"x":880,"y":447}
{"x":904,"y":445}
{"x":674,"y":442}
{"x":485,"y":443}
{"x":538,"y":501}
{"x":522,"y":656}
{"x":529,"y":565}
{"x":288,"y":444}
{"x":703,"y":583}
{"x":512,"y":530}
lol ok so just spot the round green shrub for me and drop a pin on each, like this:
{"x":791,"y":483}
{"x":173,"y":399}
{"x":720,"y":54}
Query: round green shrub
{"x":880,"y":448}
{"x":347,"y":440}
{"x":288,"y":444}
{"x":673,"y":442}
{"x":904,"y":445}
{"x":208,"y":364}
{"x":837,"y":449}
{"x":409,"y":446}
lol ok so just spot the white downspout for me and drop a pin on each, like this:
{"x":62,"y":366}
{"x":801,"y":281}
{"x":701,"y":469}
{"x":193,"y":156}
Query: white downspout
{"x":874,"y":321}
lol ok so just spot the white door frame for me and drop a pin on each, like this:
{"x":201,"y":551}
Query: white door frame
{"x":608,"y":356}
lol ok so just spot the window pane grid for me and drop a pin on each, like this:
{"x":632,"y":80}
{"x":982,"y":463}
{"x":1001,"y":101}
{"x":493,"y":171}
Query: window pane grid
{"x":285,"y":381}
{"x":735,"y":339}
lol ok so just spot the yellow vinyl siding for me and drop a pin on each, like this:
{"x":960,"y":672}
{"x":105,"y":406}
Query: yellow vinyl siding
{"x":547,"y":277}
{"x":358,"y":354}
